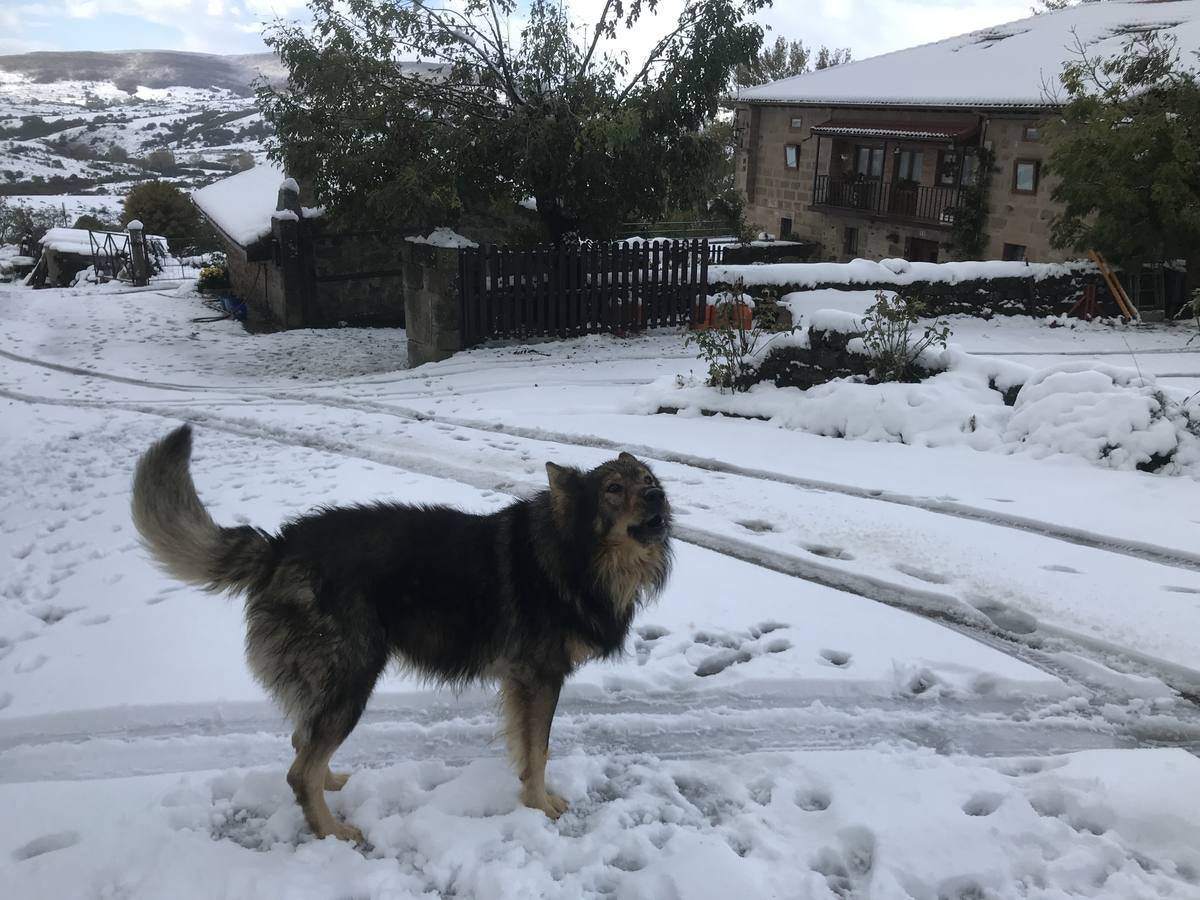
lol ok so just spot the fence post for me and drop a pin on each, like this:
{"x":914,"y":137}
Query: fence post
{"x":137,"y":254}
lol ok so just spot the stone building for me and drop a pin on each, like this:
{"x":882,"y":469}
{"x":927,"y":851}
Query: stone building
{"x":882,"y":157}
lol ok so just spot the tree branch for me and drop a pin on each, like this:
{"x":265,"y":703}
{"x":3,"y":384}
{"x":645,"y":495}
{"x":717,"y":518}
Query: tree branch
{"x":595,"y":38}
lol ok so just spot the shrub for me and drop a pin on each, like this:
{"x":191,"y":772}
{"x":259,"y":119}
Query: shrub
{"x":214,"y":276}
{"x":732,"y":340}
{"x":164,"y":209}
{"x":94,"y":223}
{"x":889,"y":337}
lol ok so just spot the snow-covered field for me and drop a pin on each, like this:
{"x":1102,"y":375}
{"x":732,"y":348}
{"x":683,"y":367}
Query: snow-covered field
{"x":880,"y":670}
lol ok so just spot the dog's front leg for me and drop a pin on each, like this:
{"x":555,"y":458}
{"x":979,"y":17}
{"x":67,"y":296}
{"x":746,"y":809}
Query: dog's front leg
{"x":529,"y":705}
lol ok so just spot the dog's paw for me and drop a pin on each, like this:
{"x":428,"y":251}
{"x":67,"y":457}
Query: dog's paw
{"x":557,"y":803}
{"x":335,"y":781}
{"x":548,"y":802}
{"x":344,"y":831}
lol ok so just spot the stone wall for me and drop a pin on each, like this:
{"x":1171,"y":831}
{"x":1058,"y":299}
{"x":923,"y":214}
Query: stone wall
{"x":431,"y":302}
{"x":1051,"y":296}
{"x":358,"y":279}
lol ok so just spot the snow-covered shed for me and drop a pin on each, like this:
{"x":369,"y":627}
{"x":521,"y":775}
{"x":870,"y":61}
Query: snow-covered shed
{"x":68,"y":251}
{"x":871,"y":158}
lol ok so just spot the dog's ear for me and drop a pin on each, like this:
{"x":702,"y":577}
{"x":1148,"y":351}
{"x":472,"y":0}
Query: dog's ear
{"x":559,"y":476}
{"x":628,"y":458}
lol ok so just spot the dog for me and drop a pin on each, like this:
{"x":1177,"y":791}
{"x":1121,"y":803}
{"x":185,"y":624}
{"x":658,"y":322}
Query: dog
{"x":520,"y":597}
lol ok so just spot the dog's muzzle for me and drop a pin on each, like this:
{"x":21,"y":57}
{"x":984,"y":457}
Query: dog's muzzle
{"x":653,"y":528}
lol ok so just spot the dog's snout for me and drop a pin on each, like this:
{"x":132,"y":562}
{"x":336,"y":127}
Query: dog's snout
{"x":653,"y":495}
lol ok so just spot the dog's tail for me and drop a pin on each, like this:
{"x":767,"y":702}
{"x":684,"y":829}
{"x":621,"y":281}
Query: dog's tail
{"x":180,"y":533}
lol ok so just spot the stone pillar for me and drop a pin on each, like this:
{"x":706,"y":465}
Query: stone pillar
{"x":137,"y":254}
{"x":431,"y":302}
{"x":287,"y":227}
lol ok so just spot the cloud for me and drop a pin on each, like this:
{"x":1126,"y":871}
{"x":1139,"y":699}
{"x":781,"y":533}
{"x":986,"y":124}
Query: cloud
{"x":867,"y":27}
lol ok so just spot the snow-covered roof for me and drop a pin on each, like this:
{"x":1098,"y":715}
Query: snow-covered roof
{"x":78,"y":240}
{"x":1012,"y":65}
{"x":242,"y":205}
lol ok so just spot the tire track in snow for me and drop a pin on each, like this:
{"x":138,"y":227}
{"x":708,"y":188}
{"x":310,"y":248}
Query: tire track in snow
{"x":1144,"y":551}
{"x":943,"y":608}
{"x":703,"y":725}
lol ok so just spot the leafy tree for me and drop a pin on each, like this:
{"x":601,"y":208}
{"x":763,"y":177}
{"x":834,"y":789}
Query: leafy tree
{"x":161,"y":160}
{"x":1126,"y":153}
{"x":785,"y":58}
{"x":164,"y":209}
{"x":92,"y":222}
{"x":595,"y":137}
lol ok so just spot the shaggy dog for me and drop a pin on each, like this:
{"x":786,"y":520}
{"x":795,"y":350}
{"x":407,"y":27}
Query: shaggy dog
{"x":522,"y":597}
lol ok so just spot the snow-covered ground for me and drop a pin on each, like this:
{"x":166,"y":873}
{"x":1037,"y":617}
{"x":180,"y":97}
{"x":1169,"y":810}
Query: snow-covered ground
{"x":880,"y":671}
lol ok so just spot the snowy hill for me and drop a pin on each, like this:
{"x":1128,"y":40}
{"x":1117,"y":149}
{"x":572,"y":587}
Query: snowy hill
{"x":81,"y":122}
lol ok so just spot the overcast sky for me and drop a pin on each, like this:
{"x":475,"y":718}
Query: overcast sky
{"x":867,"y":27}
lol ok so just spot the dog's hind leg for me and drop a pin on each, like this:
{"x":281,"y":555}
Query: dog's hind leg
{"x":529,"y":703}
{"x":334,"y":781}
{"x":315,"y":743}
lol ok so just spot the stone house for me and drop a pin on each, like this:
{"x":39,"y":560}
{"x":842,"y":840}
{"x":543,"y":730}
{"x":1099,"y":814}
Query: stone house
{"x":882,"y":157}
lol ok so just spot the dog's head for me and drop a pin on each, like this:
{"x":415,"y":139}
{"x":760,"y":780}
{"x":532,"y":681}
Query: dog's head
{"x":629,"y":503}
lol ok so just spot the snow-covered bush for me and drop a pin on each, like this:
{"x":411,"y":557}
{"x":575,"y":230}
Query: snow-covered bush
{"x":888,"y":336}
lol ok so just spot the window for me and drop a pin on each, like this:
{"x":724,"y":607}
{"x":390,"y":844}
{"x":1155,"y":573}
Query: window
{"x":1031,"y":133}
{"x":796,"y":123}
{"x":920,"y":250}
{"x":785,"y":229}
{"x":970,"y":169}
{"x":791,"y":156}
{"x":908,"y":165}
{"x":947,"y":168}
{"x":1014,"y":252}
{"x":1025,"y":176}
{"x":868,"y":162}
{"x":849,"y":240}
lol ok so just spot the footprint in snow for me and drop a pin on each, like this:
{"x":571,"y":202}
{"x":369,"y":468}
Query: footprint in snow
{"x":926,"y":575}
{"x":837,"y":658}
{"x":1180,"y":589}
{"x":1004,"y":616}
{"x":758,"y":526}
{"x":828,"y":551}
{"x":719,"y":662}
{"x":1066,"y":570}
{"x":983,"y":804}
{"x":47,"y":843}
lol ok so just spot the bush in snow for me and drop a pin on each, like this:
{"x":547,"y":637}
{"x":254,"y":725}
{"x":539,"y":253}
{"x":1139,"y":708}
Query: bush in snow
{"x":888,"y":336}
{"x":214,"y":276}
{"x":733,"y":340}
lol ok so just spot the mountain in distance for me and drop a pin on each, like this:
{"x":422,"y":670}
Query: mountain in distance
{"x":84,"y":123}
{"x":129,"y":69}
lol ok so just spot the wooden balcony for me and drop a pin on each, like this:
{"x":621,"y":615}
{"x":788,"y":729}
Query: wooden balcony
{"x":889,"y":200}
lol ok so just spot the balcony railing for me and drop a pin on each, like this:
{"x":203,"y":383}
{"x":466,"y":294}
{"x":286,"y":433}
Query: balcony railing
{"x":886,"y":199}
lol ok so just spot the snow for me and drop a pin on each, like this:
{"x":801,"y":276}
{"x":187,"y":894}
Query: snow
{"x":242,"y":205}
{"x":848,"y":689}
{"x":1015,"y":64}
{"x":1108,"y":415}
{"x":444,"y":237}
{"x":79,"y":240}
{"x":888,"y":271}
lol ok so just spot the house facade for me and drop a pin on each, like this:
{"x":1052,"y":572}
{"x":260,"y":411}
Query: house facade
{"x":889,"y":156}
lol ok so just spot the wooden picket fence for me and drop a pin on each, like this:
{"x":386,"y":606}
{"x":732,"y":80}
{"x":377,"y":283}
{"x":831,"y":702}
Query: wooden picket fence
{"x":562,"y":291}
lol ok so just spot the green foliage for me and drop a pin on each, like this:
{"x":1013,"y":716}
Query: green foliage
{"x":594,"y":137}
{"x":785,"y":58}
{"x":91,"y":222}
{"x":732,"y":342}
{"x":164,"y":209}
{"x":214,"y":276}
{"x":26,"y":225}
{"x":967,"y":233}
{"x":1126,"y":153}
{"x":889,"y":337}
